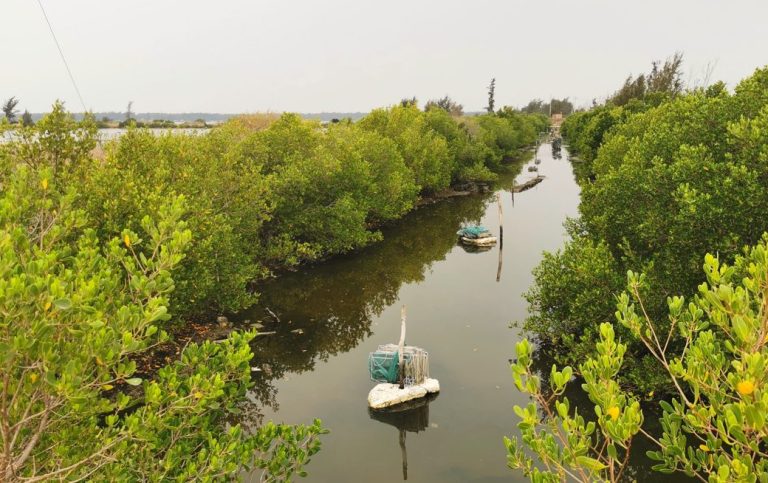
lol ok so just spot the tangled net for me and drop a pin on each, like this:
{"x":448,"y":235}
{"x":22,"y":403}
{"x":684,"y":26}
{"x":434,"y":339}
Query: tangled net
{"x":383,"y":362}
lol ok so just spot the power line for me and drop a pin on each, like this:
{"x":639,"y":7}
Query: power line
{"x":63,"y":59}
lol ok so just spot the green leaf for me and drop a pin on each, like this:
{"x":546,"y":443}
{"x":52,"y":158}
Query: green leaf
{"x":134,"y":381}
{"x":62,"y":304}
{"x":590,"y":463}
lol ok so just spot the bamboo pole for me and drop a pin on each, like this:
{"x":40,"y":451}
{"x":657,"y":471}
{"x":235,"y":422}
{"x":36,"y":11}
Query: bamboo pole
{"x":400,"y":346}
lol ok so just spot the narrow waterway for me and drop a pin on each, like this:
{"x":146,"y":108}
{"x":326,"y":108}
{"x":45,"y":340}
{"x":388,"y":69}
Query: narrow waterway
{"x":333,"y":314}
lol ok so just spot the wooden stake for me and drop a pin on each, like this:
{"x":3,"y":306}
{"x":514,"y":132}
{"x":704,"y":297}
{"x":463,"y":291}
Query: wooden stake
{"x":401,"y":345}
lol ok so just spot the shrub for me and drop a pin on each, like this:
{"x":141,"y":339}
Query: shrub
{"x":714,"y":429}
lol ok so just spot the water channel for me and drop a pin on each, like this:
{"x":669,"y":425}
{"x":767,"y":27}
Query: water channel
{"x":333,"y":314}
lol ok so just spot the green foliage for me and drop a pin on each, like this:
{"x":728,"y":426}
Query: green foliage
{"x":715,"y":428}
{"x":388,"y":189}
{"x":667,"y":183}
{"x":581,"y":275}
{"x":440,"y":147}
{"x":568,"y":445}
{"x":228,"y":203}
{"x":446,"y":104}
{"x":555,"y":106}
{"x":491,"y":96}
{"x":9,"y":109}
{"x":663,"y":81}
{"x":103,"y":244}
{"x":424,"y":150}
{"x":77,"y":309}
{"x":585,"y":130}
{"x":267,"y":192}
{"x":26,"y":119}
{"x":474,"y":160}
{"x":57,"y":140}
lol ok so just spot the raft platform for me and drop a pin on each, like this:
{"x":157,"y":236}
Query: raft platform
{"x":385,"y":395}
{"x":479,"y":242}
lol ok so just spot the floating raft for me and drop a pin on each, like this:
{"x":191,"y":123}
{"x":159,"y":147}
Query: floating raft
{"x":479,"y":242}
{"x":385,"y":395}
{"x":401,"y":370}
{"x":477,"y":236}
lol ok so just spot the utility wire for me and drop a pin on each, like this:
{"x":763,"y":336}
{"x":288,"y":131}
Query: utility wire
{"x":63,"y":59}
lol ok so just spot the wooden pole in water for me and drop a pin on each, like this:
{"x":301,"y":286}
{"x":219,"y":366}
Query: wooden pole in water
{"x":501,"y":221}
{"x":400,"y":345}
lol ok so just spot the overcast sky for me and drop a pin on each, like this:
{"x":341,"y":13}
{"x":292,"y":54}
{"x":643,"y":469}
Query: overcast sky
{"x":354,"y":55}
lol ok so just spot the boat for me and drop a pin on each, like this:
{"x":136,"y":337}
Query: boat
{"x":476,"y":235}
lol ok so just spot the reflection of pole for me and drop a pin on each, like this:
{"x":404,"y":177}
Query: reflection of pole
{"x":501,"y":221}
{"x":498,"y":269}
{"x":404,"y":453}
{"x":501,"y":236}
{"x":401,"y":362}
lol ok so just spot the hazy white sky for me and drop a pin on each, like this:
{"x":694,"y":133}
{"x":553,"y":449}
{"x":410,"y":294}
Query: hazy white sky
{"x":354,"y":55}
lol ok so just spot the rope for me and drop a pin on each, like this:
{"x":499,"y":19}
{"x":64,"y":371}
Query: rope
{"x":61,"y":53}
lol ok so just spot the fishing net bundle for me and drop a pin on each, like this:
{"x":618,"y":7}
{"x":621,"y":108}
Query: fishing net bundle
{"x":383,"y":362}
{"x":474,"y":232}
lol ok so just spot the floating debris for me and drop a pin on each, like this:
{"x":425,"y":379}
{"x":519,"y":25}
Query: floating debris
{"x":528,"y":184}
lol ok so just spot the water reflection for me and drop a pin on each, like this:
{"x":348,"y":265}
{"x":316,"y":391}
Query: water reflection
{"x":412,"y":416}
{"x":328,"y":309}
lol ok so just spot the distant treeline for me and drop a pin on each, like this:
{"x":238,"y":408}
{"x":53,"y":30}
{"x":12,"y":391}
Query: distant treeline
{"x":197,"y":116}
{"x":554,"y":106}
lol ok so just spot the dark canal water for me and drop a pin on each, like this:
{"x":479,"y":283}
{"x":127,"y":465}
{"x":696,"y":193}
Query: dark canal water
{"x":457,"y":310}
